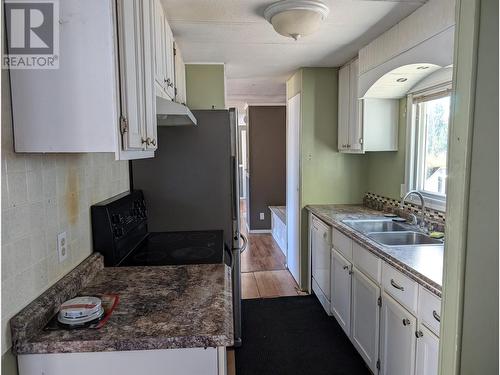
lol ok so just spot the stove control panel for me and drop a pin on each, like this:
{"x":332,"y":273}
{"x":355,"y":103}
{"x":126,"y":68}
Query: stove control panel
{"x":118,"y":224}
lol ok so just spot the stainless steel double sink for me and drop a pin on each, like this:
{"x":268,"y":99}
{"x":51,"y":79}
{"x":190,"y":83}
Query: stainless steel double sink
{"x":390,"y":233}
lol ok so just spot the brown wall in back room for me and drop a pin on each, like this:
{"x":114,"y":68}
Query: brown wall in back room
{"x":267,"y":162}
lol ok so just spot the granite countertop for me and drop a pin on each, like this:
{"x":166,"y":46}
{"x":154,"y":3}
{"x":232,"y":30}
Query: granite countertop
{"x":280,"y":211}
{"x":423,"y":264}
{"x":160,"y":308}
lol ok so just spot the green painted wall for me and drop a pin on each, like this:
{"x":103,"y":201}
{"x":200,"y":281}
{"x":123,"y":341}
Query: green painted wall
{"x":327,"y":176}
{"x":386,"y":170}
{"x":9,"y":363}
{"x":205,"y":86}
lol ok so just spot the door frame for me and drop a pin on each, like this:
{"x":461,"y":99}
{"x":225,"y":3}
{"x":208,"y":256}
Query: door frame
{"x":459,"y":160}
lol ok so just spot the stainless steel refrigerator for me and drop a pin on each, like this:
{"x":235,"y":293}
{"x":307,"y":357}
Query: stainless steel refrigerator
{"x":192,"y":184}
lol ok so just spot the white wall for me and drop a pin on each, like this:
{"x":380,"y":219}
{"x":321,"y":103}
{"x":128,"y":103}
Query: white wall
{"x":43,"y":195}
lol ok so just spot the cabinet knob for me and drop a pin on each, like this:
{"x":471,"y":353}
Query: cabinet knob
{"x":406,"y":322}
{"x":419,"y":334}
{"x":147,"y":141}
{"x":169,"y":82}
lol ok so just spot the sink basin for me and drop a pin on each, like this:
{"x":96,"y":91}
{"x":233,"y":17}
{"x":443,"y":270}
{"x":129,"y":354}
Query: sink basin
{"x":403,"y":238}
{"x":367,"y":226}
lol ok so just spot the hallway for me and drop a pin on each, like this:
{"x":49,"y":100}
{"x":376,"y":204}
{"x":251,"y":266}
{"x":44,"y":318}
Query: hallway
{"x":263,"y":270}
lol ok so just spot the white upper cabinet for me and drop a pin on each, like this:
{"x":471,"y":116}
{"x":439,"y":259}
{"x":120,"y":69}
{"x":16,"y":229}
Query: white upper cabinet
{"x":138,"y":112}
{"x":164,"y":53}
{"x":101,"y":98}
{"x":364,"y":124}
{"x":180,"y":76}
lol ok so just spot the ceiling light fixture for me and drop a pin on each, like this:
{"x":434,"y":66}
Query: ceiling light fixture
{"x":296,"y":18}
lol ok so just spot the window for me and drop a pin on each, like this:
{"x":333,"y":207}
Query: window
{"x":430,"y":115}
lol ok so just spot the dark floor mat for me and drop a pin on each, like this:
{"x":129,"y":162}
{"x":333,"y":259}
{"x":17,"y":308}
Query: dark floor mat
{"x":292,"y":336}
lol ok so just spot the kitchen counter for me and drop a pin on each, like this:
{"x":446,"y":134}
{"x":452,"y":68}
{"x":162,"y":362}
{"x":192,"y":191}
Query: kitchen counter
{"x":166,"y":307}
{"x":279,"y":211}
{"x":423,"y":264}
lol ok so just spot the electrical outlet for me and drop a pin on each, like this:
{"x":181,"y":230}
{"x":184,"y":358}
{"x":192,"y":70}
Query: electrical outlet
{"x":261,"y":217}
{"x":62,"y":247}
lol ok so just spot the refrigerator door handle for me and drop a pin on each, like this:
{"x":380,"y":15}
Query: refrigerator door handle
{"x":245,"y":242}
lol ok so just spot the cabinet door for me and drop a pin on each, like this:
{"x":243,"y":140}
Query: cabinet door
{"x":180,"y":76}
{"x":397,"y":339}
{"x":149,"y":76}
{"x":169,"y":59}
{"x":365,"y":318}
{"x":132,"y":67}
{"x":355,"y":125}
{"x":340,"y":290}
{"x":159,"y":39}
{"x":427,"y":352}
{"x":343,"y":119}
{"x":320,"y":242}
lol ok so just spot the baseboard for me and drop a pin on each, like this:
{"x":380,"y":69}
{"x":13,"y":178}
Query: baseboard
{"x":260,"y":231}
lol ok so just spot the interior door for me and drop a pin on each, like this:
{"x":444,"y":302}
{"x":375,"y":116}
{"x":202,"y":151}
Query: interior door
{"x":397,"y":339}
{"x":340,"y":303}
{"x":132,"y":89}
{"x":293,"y":186}
{"x":365,"y":318}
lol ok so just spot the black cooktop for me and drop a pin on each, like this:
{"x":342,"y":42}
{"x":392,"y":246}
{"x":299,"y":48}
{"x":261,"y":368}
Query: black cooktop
{"x":175,"y":248}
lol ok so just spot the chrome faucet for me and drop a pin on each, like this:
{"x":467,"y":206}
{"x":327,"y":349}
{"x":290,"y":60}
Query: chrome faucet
{"x":422,"y":207}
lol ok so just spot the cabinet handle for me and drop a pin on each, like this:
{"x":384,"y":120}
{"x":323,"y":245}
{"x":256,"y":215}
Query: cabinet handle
{"x":348,"y":146}
{"x":436,"y":315}
{"x":419,"y":334}
{"x":153,"y":142}
{"x":346,"y":267}
{"x":396,"y":285}
{"x":169,"y":82}
{"x":147,"y":141}
{"x":406,"y":322}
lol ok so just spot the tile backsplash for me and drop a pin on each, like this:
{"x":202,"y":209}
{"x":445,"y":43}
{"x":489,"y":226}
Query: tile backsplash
{"x":43,"y":195}
{"x":435,"y":219}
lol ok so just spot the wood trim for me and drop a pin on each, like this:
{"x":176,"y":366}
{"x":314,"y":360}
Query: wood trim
{"x":459,"y":159}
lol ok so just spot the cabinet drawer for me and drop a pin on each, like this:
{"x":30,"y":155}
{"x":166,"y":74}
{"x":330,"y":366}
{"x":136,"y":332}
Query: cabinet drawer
{"x":401,"y":287}
{"x":429,"y":309}
{"x":367,"y":262}
{"x":342,"y":244}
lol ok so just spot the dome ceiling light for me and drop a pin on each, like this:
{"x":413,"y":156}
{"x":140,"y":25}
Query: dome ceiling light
{"x":296,"y":18}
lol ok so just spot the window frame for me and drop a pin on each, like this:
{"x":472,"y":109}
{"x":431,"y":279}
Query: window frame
{"x":415,"y":140}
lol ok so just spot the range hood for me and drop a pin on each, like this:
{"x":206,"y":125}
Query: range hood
{"x":169,"y":113}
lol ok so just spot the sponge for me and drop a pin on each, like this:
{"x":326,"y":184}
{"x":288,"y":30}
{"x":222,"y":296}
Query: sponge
{"x":436,"y":235}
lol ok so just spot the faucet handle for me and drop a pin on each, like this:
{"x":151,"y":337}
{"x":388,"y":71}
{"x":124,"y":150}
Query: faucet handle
{"x":413,"y":218}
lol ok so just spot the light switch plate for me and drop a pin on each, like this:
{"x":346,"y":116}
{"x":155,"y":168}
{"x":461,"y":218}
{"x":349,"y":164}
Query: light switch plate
{"x":262,"y":216}
{"x":62,"y":247}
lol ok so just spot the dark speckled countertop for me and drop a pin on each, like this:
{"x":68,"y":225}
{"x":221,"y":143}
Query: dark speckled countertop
{"x":279,"y":211}
{"x":423,"y":264}
{"x":160,"y":308}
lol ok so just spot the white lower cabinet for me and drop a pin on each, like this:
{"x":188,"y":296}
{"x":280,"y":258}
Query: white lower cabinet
{"x":376,"y":305}
{"x":427,"y":352}
{"x":365,"y":318}
{"x":321,"y":240}
{"x":397,"y":339}
{"x":340,"y":301}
